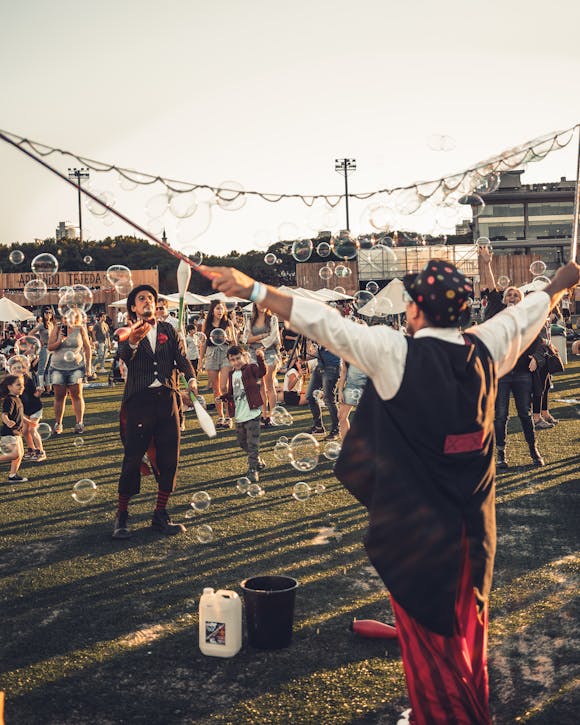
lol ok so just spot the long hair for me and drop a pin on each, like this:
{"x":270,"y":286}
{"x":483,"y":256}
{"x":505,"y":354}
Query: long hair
{"x":6,"y":383}
{"x":47,"y":311}
{"x":208,"y":325}
{"x":256,"y":312}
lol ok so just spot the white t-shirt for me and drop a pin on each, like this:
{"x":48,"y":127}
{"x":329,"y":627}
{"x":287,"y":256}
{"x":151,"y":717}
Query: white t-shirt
{"x":243,"y":411}
{"x":298,"y":387}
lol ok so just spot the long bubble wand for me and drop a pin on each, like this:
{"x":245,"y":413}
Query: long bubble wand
{"x":118,"y":214}
{"x":574,"y":245}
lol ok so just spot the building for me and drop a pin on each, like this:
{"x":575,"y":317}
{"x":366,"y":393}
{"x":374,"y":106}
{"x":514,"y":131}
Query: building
{"x":65,"y":230}
{"x":529,"y":219}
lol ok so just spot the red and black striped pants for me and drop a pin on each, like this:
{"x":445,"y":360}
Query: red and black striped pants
{"x":447,"y":676}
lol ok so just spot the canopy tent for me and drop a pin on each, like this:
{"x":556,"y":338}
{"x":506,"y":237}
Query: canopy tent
{"x":171,"y":302}
{"x":393,"y":292}
{"x":224,"y":298}
{"x":12,"y":312}
{"x":332,"y":295}
{"x":191,"y":298}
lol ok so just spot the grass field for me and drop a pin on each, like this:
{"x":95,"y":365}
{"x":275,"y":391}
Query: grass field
{"x":101,"y":631}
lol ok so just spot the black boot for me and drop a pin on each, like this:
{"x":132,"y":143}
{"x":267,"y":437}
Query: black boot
{"x":536,"y":456}
{"x":501,"y":463}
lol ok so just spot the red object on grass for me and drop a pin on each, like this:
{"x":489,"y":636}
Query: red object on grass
{"x":373,"y":629}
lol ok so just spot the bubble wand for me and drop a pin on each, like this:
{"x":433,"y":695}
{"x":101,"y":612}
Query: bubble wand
{"x":574,"y":245}
{"x":113,"y":211}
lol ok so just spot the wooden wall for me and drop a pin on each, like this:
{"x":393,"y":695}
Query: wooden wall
{"x":307,"y":276}
{"x":11,"y":285}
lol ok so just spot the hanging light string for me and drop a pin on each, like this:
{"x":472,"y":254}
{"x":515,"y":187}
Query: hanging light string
{"x":448,"y":189}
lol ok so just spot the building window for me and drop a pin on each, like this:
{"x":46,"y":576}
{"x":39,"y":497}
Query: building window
{"x":551,"y":208}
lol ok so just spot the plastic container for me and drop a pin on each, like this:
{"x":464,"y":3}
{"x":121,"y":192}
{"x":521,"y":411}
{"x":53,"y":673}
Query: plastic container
{"x":220,"y":623}
{"x":269,"y":610}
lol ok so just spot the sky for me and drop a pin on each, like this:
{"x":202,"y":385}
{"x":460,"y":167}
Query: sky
{"x":268,"y":94}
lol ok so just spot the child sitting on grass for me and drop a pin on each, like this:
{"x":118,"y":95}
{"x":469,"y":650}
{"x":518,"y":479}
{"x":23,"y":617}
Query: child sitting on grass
{"x":12,"y":424}
{"x":245,"y":404}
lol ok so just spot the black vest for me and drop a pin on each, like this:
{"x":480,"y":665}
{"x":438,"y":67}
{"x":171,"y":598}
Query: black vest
{"x":422,"y":463}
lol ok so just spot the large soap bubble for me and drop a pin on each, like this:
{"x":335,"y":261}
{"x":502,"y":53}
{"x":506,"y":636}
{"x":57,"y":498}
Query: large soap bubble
{"x":301,"y":491}
{"x":302,"y":250}
{"x":35,"y":290}
{"x":217,"y":336}
{"x":117,"y":273}
{"x":345,"y":245}
{"x":28,"y":345}
{"x":16,"y":256}
{"x":84,"y":491}
{"x":304,"y":452}
{"x":44,"y":264}
{"x":537,"y":268}
{"x":200,"y":501}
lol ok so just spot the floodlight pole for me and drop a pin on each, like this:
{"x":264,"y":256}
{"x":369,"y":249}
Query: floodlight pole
{"x":79,"y":175}
{"x":345,"y":166}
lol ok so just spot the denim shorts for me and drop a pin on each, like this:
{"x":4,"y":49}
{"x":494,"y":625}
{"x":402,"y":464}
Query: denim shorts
{"x":271,"y":356}
{"x":67,"y":377}
{"x":216,"y":357}
{"x":351,"y":394}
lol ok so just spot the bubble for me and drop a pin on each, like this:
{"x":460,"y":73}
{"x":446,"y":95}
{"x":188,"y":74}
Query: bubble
{"x":35,"y":290}
{"x":78,"y":298}
{"x":287,"y":231}
{"x":483,"y":242}
{"x":319,"y":488}
{"x":230,"y":196}
{"x":325,"y":273}
{"x":156,"y":226}
{"x":124,"y":287}
{"x":340,"y":290}
{"x":97,"y":207}
{"x":64,"y":291}
{"x":475,"y":201}
{"x":372,"y":287}
{"x":255,"y":490}
{"x":242,"y":484}
{"x":304,"y":450}
{"x":194,"y":226}
{"x":278,"y":260}
{"x":345,"y":245}
{"x":407,"y":201}
{"x":282,"y":452}
{"x":200,"y":338}
{"x":157,"y":205}
{"x":204,"y":533}
{"x":7,"y":447}
{"x":183,"y":205}
{"x":118,"y":273}
{"x":503,"y":281}
{"x":127,"y":184}
{"x":16,"y":256}
{"x":44,"y":264}
{"x":88,"y":259}
{"x":78,"y":442}
{"x":196,"y":256}
{"x":332,"y":450}
{"x":18,"y":364}
{"x":200,"y":501}
{"x":380,"y":217}
{"x":44,"y":431}
{"x":342,"y":271}
{"x":84,"y":491}
{"x":301,"y":491}
{"x":270,"y":258}
{"x":28,"y":345}
{"x":189,"y":514}
{"x":323,"y":249}
{"x":302,"y":250}
{"x":538,"y":267}
{"x":362,"y":297}
{"x":279,"y":415}
{"x":283,"y":439}
{"x":488,"y":184}
{"x":356,"y":395}
{"x":540,"y":282}
{"x":217,"y":336}
{"x":69,"y":356}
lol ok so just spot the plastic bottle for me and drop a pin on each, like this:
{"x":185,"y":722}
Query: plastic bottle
{"x":220,"y":623}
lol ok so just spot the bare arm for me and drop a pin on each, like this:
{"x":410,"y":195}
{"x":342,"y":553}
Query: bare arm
{"x":486,"y":255}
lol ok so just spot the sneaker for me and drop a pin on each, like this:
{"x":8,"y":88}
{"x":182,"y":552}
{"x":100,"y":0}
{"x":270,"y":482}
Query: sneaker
{"x":220,"y":423}
{"x":17,"y":478}
{"x":266,"y":423}
{"x":227,"y":423}
{"x":334,"y":435}
{"x":253,"y":476}
{"x":122,"y":530}
{"x":40,"y":456}
{"x":30,"y":455}
{"x":502,"y":463}
{"x":261,"y":464}
{"x":550,"y":419}
{"x":542,"y":424}
{"x":79,"y":428}
{"x":317,"y":430}
{"x":163,"y":523}
{"x":405,"y":717}
{"x":57,"y":429}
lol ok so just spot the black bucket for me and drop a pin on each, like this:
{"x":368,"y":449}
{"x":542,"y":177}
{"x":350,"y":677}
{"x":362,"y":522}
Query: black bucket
{"x":269,"y":604}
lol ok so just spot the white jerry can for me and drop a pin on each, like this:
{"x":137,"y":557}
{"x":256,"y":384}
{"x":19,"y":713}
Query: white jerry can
{"x":220,"y":623}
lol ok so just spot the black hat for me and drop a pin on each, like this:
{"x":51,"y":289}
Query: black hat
{"x":135,"y":291}
{"x":441,"y":291}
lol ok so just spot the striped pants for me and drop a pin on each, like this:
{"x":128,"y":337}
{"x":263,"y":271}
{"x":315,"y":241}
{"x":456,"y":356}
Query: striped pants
{"x":447,"y":676}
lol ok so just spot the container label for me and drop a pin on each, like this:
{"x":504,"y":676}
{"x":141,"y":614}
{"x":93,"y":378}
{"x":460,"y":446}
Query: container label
{"x":215,"y":633}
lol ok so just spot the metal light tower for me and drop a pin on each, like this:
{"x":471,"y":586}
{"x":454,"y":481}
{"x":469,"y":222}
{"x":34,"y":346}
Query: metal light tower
{"x":79,"y":175}
{"x":345,"y":166}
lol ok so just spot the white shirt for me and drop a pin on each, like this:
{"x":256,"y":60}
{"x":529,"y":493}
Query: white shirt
{"x":381,"y":352}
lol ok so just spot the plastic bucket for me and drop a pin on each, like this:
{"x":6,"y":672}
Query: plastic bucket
{"x":269,"y":608}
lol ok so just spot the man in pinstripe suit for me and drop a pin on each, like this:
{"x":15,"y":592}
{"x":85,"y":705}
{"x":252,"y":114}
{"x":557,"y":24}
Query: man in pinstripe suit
{"x":153,"y":354}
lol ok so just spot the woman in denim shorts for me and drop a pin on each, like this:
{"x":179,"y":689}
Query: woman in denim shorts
{"x":69,"y":364}
{"x":262,"y":331}
{"x":351,"y":384}
{"x":215,"y":356}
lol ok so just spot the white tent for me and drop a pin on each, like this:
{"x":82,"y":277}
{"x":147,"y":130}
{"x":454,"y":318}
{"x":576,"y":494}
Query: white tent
{"x":332,"y":295}
{"x":171,"y":302}
{"x":191,"y":298}
{"x":393,"y":292}
{"x":12,"y":312}
{"x":224,"y":298}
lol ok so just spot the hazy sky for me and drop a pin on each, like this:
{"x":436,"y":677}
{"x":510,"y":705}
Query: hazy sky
{"x":268,"y":94}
